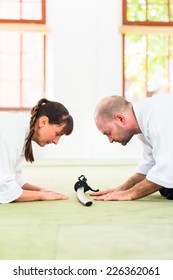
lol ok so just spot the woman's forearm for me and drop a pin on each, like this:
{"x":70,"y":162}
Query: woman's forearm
{"x":30,"y":187}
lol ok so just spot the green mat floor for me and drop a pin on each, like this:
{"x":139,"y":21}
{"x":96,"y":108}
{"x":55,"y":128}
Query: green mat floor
{"x":67,"y":230}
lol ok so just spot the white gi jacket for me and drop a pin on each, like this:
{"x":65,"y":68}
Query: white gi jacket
{"x":14,"y":128}
{"x":155,"y":118}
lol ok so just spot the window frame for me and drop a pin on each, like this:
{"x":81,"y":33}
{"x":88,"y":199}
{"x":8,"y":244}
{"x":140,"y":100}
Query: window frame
{"x":40,"y":21}
{"x":28,"y":25}
{"x":141,"y":27}
{"x":142,"y":23}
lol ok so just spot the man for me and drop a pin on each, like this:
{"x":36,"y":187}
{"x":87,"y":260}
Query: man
{"x":152,"y":120}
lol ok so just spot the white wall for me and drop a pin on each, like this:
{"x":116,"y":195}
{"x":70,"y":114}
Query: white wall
{"x":84,"y":64}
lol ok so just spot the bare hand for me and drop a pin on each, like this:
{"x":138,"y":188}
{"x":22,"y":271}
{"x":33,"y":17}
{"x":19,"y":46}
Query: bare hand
{"x":50,"y":195}
{"x":114,"y":195}
{"x":102,"y":192}
{"x":43,"y":189}
{"x":28,"y":195}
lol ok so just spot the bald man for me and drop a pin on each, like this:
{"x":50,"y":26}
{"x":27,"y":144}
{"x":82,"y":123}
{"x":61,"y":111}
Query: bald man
{"x":151,"y":120}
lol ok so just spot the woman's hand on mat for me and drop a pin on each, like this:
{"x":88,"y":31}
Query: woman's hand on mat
{"x":28,"y":195}
{"x":50,"y":195}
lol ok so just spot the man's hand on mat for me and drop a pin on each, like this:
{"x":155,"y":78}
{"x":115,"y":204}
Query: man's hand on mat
{"x":112,"y":195}
{"x":102,"y":192}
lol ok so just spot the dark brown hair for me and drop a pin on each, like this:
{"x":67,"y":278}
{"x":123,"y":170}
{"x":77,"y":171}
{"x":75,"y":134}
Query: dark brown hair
{"x":56,"y":113}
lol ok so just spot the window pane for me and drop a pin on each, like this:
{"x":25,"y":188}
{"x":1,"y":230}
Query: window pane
{"x":22,"y":57}
{"x":157,"y":1}
{"x":32,"y":92}
{"x":157,"y":44}
{"x":136,"y":12}
{"x":32,"y":10}
{"x":9,"y":10}
{"x":148,"y":65}
{"x":171,"y":47}
{"x":135,"y":66}
{"x":21,"y":9}
{"x":32,"y":68}
{"x":33,"y":54}
{"x":148,"y":10}
{"x":136,"y":1}
{"x":171,"y":65}
{"x":157,"y":63}
{"x":154,"y":70}
{"x":21,"y":68}
{"x":158,"y":13}
{"x":9,"y":42}
{"x":30,"y":72}
{"x":9,"y":67}
{"x":171,"y":12}
{"x":157,"y":74}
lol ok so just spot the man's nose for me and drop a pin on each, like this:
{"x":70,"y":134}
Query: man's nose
{"x":110,"y":139}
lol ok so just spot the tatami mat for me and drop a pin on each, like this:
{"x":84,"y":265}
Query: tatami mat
{"x":63,"y":230}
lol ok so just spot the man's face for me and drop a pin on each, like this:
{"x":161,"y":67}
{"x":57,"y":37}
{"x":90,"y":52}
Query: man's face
{"x":115,"y":129}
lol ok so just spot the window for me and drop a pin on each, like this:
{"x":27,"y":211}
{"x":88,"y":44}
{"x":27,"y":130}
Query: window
{"x":148,"y":47}
{"x":22,"y":53}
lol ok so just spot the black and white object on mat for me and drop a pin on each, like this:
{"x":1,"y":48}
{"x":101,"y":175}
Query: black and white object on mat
{"x":81,"y":187}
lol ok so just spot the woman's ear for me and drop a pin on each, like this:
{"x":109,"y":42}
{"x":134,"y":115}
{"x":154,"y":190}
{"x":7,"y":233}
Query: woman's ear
{"x":42,"y":121}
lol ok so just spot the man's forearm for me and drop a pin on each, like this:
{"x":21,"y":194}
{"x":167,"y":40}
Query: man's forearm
{"x":131,"y":182}
{"x":142,"y":189}
{"x":139,"y":190}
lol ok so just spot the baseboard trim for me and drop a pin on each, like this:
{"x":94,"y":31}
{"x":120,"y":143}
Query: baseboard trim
{"x":80,"y":162}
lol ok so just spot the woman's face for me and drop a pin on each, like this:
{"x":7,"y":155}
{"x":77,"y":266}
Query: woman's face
{"x":46,"y":133}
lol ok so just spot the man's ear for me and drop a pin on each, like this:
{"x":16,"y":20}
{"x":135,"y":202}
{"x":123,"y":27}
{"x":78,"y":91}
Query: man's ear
{"x":120,"y":119}
{"x":42,"y":121}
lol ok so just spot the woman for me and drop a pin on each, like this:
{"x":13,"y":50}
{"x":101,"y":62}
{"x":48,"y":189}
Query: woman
{"x":49,"y":120}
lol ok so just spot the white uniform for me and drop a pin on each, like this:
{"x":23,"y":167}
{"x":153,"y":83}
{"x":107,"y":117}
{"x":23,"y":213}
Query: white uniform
{"x":155,"y":118}
{"x":14,"y":128}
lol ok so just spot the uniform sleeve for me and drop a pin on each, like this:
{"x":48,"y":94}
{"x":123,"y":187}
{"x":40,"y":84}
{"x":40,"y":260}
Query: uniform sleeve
{"x":9,"y":188}
{"x":147,"y":160}
{"x":161,"y":135}
{"x":162,"y":171}
{"x":19,"y":177}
